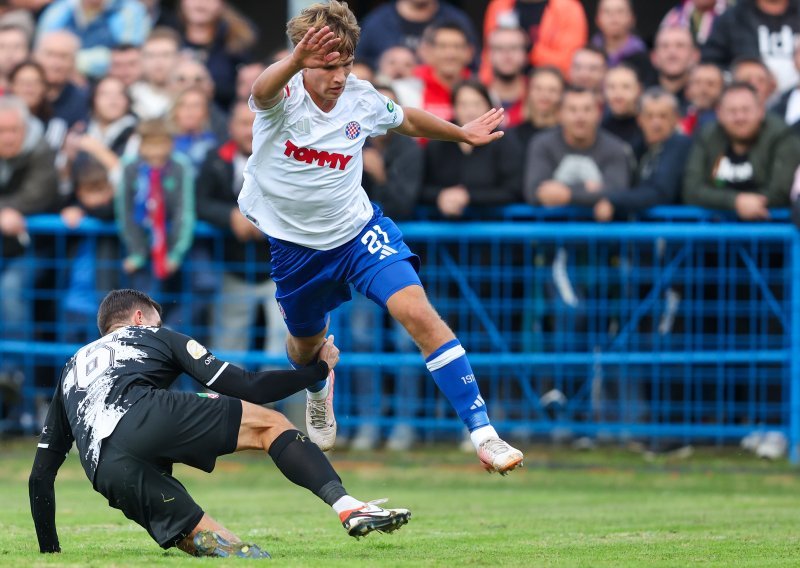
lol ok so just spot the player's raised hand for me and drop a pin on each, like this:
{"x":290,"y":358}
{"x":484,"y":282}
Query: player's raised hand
{"x":316,"y":49}
{"x":329,"y":352}
{"x":481,"y":130}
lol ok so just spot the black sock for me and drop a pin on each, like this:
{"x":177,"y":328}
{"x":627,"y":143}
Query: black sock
{"x":304,"y":464}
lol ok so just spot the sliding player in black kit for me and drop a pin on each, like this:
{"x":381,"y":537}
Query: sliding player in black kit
{"x":112,"y":402}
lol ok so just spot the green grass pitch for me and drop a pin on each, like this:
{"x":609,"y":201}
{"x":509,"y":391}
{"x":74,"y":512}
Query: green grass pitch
{"x":605,"y":508}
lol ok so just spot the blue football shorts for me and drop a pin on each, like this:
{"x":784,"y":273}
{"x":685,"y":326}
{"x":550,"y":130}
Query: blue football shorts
{"x":311,"y":283}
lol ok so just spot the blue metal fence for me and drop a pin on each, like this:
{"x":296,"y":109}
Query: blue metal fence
{"x":676,"y":329}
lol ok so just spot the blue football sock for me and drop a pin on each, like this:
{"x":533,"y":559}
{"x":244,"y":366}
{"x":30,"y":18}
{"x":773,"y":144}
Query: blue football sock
{"x":296,"y":366}
{"x":454,"y":377}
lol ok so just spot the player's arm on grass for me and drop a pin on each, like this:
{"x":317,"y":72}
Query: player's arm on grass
{"x":422,"y":124}
{"x":258,"y":387}
{"x":54,"y":444}
{"x":314,"y":50}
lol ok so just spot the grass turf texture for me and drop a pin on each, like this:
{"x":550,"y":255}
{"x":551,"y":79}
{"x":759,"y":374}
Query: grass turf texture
{"x":604,"y":508}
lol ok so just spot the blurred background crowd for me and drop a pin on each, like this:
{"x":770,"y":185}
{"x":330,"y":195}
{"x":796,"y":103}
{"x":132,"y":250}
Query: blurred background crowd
{"x":135,"y":112}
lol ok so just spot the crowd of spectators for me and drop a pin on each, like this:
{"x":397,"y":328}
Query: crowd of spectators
{"x":123,"y":110}
{"x":710,"y":102}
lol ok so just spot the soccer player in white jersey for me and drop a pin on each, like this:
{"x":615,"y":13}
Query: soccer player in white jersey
{"x":303,"y":188}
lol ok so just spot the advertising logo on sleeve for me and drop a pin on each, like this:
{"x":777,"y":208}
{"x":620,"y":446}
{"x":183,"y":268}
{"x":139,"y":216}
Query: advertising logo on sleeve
{"x":195,"y":349}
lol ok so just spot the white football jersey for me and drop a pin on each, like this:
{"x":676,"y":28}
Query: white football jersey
{"x":302,"y":183}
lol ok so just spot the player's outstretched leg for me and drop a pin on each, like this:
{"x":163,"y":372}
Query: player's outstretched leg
{"x":320,"y":421}
{"x":447,"y":362}
{"x":302,"y":463}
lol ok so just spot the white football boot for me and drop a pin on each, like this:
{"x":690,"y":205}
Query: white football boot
{"x":320,"y":421}
{"x":370,"y":517}
{"x":498,"y":456}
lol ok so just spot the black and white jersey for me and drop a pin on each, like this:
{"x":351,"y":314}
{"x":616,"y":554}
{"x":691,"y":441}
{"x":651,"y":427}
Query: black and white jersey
{"x":105,"y":378}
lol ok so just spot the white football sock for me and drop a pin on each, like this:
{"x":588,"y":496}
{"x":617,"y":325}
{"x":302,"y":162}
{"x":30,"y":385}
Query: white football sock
{"x":319,"y":395}
{"x":347,"y":503}
{"x":481,"y":434}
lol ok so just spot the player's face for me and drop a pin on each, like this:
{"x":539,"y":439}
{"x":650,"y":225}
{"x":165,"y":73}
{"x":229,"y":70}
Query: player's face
{"x":327,"y":83}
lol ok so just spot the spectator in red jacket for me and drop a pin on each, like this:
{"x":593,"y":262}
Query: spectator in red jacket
{"x":556,"y":29}
{"x":448,"y":53}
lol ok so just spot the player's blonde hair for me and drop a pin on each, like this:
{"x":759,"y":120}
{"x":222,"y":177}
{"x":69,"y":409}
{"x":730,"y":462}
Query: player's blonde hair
{"x":336,"y":15}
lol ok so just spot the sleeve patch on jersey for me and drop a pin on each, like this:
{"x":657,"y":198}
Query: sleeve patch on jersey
{"x":195,"y":349}
{"x":390,"y":106}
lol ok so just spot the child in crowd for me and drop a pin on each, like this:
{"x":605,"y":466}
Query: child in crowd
{"x":155,"y":212}
{"x":93,"y":264}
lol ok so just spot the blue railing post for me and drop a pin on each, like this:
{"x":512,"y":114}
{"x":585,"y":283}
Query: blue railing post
{"x":794,"y":365}
{"x":730,"y":362}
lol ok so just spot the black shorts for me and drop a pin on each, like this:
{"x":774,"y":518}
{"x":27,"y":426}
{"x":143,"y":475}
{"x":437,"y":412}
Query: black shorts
{"x":162,"y":428}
